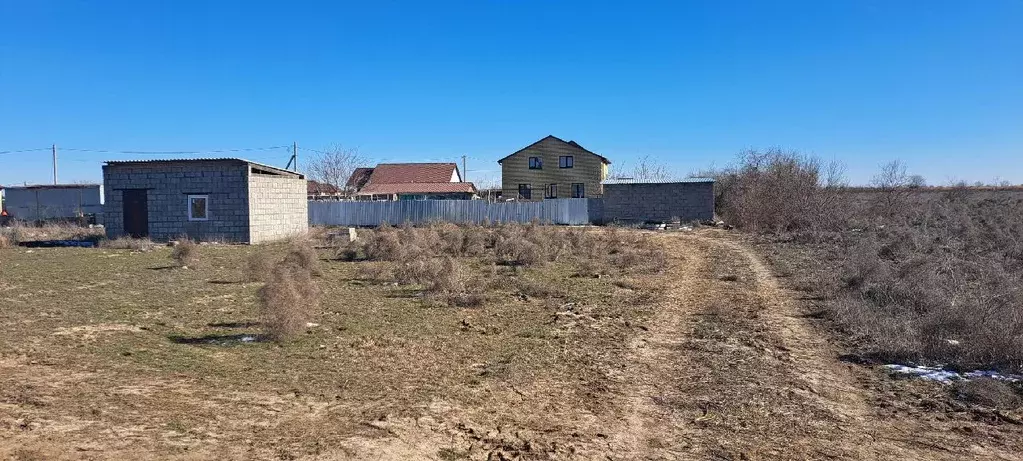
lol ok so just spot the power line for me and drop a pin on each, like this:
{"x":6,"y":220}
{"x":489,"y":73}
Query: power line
{"x":188,"y":152}
{"x":23,"y":150}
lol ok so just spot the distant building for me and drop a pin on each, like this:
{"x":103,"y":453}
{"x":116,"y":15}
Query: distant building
{"x":411,"y":181}
{"x":322,"y":191}
{"x":552,"y":168}
{"x":53,"y":202}
{"x":629,"y":200}
{"x":222,"y":199}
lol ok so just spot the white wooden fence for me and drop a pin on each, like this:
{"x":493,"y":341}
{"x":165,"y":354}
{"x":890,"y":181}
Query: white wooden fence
{"x":573,"y":211}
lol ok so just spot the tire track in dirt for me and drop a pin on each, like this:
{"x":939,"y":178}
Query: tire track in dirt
{"x":729,"y":369}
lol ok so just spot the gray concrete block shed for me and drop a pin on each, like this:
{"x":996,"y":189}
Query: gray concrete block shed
{"x":629,"y":200}
{"x":218,"y":199}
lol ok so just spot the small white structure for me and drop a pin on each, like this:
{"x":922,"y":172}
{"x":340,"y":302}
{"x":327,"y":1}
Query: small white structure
{"x":57,"y":201}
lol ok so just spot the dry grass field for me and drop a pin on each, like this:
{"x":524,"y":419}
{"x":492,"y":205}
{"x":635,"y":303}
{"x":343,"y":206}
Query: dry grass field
{"x":613,"y":344}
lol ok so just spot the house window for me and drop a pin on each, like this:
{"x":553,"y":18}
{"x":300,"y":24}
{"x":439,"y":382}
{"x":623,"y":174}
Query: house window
{"x":525,"y":191}
{"x":198,"y":207}
{"x":552,"y":191}
{"x":535,"y":163}
{"x":566,"y":161}
{"x":578,"y":190}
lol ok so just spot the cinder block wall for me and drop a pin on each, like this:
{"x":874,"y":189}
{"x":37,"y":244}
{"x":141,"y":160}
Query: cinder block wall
{"x":168,"y":188}
{"x":278,"y":207}
{"x":658,"y":202}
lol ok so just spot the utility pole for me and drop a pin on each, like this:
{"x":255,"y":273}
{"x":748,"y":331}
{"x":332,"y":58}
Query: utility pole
{"x":465,"y":173}
{"x":294,"y":154}
{"x":55,"y":164}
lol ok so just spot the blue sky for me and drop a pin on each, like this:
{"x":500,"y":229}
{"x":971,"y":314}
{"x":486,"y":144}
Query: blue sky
{"x":936,"y":84}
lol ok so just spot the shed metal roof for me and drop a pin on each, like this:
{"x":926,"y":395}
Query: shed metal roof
{"x":195,"y":160}
{"x":52,"y":186}
{"x":654,"y":181}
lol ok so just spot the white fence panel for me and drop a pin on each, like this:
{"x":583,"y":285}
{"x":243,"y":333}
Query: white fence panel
{"x":556,"y":211}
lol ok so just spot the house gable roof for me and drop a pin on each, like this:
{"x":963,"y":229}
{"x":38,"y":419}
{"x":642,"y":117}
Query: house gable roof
{"x":408,"y":173}
{"x":550,"y":136}
{"x":418,"y":188}
{"x":360,"y":176}
{"x":320,"y":188}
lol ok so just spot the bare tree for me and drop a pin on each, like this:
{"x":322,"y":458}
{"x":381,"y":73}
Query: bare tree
{"x":646,"y":169}
{"x":335,"y":165}
{"x":893,"y":183}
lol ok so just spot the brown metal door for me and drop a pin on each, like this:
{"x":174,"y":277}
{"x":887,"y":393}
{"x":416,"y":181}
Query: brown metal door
{"x":136,"y":213}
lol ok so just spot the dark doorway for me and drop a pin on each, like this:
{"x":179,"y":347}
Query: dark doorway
{"x":136,"y":213}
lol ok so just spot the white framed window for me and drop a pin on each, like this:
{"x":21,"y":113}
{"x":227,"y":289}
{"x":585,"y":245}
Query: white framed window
{"x":198,"y":207}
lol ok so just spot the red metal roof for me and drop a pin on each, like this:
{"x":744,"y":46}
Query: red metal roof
{"x":417,"y":188}
{"x":320,"y":188}
{"x":360,"y":176}
{"x":402,"y":173}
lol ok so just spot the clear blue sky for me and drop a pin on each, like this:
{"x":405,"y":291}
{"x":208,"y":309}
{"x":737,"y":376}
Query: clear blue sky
{"x":937,"y":84}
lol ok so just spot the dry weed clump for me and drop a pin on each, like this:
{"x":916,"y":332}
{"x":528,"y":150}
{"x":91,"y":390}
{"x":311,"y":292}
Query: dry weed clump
{"x":259,"y":267}
{"x":453,"y":286}
{"x":990,"y":393}
{"x":525,"y":245}
{"x":19,"y":231}
{"x":432,"y":256}
{"x":288,"y":299}
{"x":128,"y":243}
{"x":186,"y":253}
{"x":303,"y":255}
{"x":7,"y":239}
{"x":779,"y":191}
{"x":938,"y":284}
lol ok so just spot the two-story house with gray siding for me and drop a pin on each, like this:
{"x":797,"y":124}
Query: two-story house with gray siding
{"x":552,"y":168}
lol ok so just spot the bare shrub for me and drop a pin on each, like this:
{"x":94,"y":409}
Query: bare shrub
{"x":452,"y":285}
{"x":990,"y":393}
{"x":259,"y":266}
{"x":518,"y":250}
{"x":384,"y":244}
{"x":302,"y":254}
{"x":938,"y":283}
{"x":186,"y":253}
{"x":778,"y":191}
{"x":894,"y":186}
{"x":7,"y":239}
{"x":475,"y":240}
{"x":287,"y":301}
{"x":417,"y":271}
{"x":128,"y":243}
{"x":538,"y":288}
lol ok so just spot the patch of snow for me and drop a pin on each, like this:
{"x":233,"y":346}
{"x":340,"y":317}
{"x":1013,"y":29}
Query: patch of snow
{"x":311,"y":325}
{"x":945,"y":376}
{"x":248,"y":339}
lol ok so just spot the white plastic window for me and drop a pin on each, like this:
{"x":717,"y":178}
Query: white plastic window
{"x":198,"y":207}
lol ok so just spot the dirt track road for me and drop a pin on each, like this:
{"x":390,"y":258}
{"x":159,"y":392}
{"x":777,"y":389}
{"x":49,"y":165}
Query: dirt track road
{"x":732,"y":369}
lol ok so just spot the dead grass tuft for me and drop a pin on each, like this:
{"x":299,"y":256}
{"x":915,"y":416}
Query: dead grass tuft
{"x":259,"y":266}
{"x":186,"y":252}
{"x":989,"y":393}
{"x":128,"y":243}
{"x":289,"y":298}
{"x":303,"y":255}
{"x":7,"y":240}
